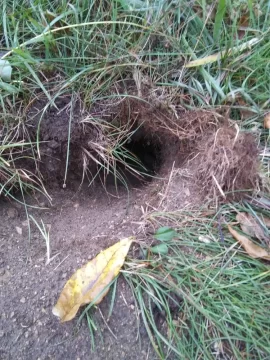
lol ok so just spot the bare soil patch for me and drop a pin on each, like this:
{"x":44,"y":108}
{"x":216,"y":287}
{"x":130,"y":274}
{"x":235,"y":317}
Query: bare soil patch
{"x":81,"y":226}
{"x":75,"y":146}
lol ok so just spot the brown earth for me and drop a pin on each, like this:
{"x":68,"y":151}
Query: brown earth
{"x":81,"y":224}
{"x":84,"y":220}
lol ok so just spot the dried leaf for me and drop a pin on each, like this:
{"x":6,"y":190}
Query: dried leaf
{"x":250,"y":226}
{"x":267,"y":121}
{"x":86,"y":284}
{"x":217,"y":56}
{"x":255,"y":251}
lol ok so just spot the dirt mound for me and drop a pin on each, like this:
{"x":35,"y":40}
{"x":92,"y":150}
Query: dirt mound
{"x":134,"y":139}
{"x":227,"y":162}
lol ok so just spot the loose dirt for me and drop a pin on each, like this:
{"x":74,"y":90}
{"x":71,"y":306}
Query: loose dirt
{"x":81,"y":226}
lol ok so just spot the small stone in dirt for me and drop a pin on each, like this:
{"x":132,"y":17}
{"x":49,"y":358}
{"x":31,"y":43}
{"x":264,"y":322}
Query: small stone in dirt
{"x":12,"y":213}
{"x":19,"y":230}
{"x":22,"y":300}
{"x":12,"y":314}
{"x":25,"y":223}
{"x":2,"y":333}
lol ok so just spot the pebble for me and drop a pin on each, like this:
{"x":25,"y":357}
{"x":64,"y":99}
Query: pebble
{"x":19,"y":230}
{"x":12,"y":314}
{"x":22,"y":300}
{"x":25,"y":223}
{"x":12,"y":213}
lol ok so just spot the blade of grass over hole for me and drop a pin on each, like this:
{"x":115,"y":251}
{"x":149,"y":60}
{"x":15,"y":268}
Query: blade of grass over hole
{"x":221,"y":10}
{"x":68,"y":142}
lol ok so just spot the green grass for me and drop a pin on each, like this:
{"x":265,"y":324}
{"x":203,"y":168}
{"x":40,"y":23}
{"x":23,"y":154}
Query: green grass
{"x":83,"y":50}
{"x":202,"y":296}
{"x":219,"y":295}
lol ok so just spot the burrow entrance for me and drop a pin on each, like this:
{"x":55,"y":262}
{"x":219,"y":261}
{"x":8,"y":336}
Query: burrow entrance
{"x":136,"y":142}
{"x":142,"y":158}
{"x":97,"y":151}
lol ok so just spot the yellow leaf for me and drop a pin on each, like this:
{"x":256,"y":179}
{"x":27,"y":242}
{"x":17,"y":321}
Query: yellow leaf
{"x":215,"y":57}
{"x":252,"y":249}
{"x":87,"y":283}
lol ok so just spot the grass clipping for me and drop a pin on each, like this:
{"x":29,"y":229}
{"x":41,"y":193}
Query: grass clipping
{"x":227,"y":162}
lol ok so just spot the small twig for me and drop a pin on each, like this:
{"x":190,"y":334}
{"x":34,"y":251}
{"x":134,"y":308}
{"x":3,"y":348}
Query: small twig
{"x":107,"y":324}
{"x":167,"y":187}
{"x":61,"y":263}
{"x":221,"y":235}
{"x":218,"y":186}
{"x":124,"y":299}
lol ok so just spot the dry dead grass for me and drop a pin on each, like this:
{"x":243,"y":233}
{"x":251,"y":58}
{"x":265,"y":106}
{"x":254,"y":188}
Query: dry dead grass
{"x":224,"y":160}
{"x":227,"y":162}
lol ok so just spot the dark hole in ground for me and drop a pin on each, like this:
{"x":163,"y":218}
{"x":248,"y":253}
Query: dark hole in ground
{"x":143,"y":158}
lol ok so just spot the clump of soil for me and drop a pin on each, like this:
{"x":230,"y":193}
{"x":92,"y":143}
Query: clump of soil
{"x":227,"y":162}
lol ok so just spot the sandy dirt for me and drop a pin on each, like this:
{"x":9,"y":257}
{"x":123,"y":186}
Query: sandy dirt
{"x":81,"y":226}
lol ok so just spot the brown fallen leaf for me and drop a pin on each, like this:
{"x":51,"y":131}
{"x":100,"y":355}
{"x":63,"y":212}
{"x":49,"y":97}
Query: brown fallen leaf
{"x":87,"y":283}
{"x":266,"y":121}
{"x":255,"y":251}
{"x":250,"y":226}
